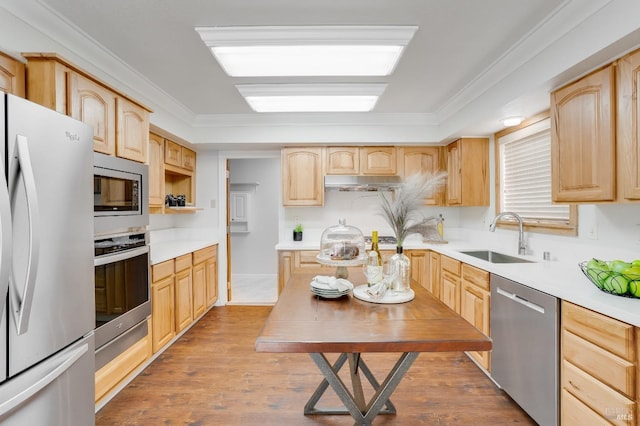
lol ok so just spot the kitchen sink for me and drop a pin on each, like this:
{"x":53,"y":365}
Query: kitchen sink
{"x":495,"y":257}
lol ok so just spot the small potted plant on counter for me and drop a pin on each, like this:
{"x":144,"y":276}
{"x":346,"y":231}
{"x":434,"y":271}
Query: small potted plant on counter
{"x":297,"y":232}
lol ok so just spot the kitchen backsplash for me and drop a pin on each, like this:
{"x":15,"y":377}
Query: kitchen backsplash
{"x":608,"y":231}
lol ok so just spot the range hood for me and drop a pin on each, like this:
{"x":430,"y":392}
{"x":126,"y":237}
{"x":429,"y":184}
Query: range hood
{"x":361,"y":183}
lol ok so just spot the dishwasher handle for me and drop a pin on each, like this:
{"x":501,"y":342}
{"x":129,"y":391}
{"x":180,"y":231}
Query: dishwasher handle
{"x":520,"y":300}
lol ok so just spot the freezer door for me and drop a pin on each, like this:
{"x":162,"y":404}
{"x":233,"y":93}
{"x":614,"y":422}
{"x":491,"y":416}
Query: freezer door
{"x":5,"y":229}
{"x":50,"y":178}
{"x":56,"y":392}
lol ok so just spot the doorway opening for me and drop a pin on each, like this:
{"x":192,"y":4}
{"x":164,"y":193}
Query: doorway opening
{"x":253,"y":197}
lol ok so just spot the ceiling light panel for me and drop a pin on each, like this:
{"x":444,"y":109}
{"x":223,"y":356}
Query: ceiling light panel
{"x":311,"y":97}
{"x":307,"y":51}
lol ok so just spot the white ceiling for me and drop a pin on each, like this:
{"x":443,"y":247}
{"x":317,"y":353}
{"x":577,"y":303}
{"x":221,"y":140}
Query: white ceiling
{"x":470,"y":63}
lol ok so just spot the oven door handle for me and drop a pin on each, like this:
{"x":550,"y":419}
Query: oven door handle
{"x":21,"y":305}
{"x":100,"y":261}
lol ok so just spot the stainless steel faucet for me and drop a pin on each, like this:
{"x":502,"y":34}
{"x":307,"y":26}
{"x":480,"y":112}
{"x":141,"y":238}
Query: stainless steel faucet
{"x":522,"y":247}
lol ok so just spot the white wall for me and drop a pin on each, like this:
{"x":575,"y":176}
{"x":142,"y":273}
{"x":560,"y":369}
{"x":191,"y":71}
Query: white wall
{"x":254,"y":252}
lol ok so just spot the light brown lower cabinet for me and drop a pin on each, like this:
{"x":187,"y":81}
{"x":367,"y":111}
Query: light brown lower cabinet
{"x":163,"y":303}
{"x":121,"y":367}
{"x":184,"y":292}
{"x":450,"y":284}
{"x":475,"y":303}
{"x":599,"y":371}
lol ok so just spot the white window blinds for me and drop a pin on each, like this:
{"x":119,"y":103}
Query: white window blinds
{"x":525,"y":157}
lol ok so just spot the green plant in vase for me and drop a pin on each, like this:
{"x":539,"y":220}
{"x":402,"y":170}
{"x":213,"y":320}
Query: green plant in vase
{"x":297,"y":232}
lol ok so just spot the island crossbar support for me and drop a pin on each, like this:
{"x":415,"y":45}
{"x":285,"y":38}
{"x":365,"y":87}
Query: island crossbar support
{"x":363,"y":415}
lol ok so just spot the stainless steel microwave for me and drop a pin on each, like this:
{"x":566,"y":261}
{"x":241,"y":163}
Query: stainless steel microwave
{"x":120,"y":195}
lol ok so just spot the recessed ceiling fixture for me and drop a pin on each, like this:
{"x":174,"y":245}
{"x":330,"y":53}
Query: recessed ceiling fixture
{"x":512,"y":121}
{"x":270,"y":51}
{"x":311,"y":97}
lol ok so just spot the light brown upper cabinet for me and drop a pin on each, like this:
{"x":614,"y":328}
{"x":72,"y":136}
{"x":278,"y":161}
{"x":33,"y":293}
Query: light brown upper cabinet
{"x":171,"y":171}
{"x":342,"y":160}
{"x":156,"y":172}
{"x":120,"y":124}
{"x":95,"y":105}
{"x":378,"y":160}
{"x":583,"y":139}
{"x":12,"y":76}
{"x":628,"y":132}
{"x":132,"y":136}
{"x":468,"y":172}
{"x":302,"y":176}
{"x":422,"y":159}
{"x":363,"y":160}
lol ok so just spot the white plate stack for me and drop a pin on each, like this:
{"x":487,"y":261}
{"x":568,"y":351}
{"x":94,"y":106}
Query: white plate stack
{"x":330,"y":287}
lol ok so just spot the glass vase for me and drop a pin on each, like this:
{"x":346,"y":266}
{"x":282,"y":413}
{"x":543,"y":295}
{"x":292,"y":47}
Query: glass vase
{"x":402,"y":272}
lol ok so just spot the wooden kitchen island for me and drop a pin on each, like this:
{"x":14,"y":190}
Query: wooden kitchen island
{"x":303,"y":323}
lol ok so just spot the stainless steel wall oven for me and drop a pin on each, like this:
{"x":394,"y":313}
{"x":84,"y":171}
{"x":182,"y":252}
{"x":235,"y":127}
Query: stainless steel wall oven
{"x":121,"y":293}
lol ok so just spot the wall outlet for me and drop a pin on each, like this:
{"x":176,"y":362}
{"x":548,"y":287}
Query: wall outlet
{"x":592,"y":233}
{"x":212,"y":204}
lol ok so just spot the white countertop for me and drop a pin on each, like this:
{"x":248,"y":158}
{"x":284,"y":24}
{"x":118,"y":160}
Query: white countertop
{"x":562,"y":279}
{"x":169,"y":243}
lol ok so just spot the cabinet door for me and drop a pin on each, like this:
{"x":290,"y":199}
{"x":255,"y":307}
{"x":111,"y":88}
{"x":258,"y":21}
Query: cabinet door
{"x":302,"y":178}
{"x":285,"y":268}
{"x":450,"y":290}
{"x":12,"y":76}
{"x":184,"y":299}
{"x":94,"y":105}
{"x":628,"y":130}
{"x":172,"y":153}
{"x":343,"y":160}
{"x":424,"y":160}
{"x":162,"y":311}
{"x":212,"y":278}
{"x":474,"y":307}
{"x":378,"y":160}
{"x":434,"y":274}
{"x":199,"y":289}
{"x":188,"y":159}
{"x":583,"y":136}
{"x":156,"y":171}
{"x":454,"y":174}
{"x":132,"y":137}
{"x":419,"y":266}
{"x":239,"y":206}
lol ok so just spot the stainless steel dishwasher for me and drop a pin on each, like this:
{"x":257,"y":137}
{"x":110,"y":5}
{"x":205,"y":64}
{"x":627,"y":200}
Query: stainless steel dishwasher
{"x":524,"y":360}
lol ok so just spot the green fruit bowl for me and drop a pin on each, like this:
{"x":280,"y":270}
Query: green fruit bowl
{"x":626,"y":285}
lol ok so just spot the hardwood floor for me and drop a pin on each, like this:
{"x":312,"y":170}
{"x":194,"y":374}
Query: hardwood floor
{"x":213,"y":376}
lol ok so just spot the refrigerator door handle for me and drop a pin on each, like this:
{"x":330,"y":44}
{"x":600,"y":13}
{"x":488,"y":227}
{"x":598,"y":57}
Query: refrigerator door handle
{"x":6,"y":234}
{"x":50,"y":376}
{"x":21,"y":306}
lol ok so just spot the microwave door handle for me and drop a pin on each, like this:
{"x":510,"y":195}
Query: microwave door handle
{"x":6,"y":236}
{"x":21,"y":306}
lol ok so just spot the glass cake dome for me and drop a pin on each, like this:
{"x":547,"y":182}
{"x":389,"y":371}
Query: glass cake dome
{"x":342,"y":245}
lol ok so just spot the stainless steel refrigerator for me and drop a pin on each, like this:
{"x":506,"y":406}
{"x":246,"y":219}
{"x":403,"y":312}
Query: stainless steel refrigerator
{"x":46,"y":267}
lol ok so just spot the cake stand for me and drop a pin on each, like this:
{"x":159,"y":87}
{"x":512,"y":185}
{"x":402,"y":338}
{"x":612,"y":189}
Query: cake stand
{"x":341,"y":265}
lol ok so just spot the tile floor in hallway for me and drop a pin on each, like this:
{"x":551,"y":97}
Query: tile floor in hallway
{"x":254,"y":289}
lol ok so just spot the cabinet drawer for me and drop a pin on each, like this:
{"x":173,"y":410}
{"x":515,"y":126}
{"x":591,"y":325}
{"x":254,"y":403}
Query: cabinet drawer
{"x":183,"y":262}
{"x":613,"y":335}
{"x":203,"y":254}
{"x":475,"y":276}
{"x":161,"y":270}
{"x":574,"y":412}
{"x":594,"y":393}
{"x":307,"y":259}
{"x":451,"y":265}
{"x":605,"y":366}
